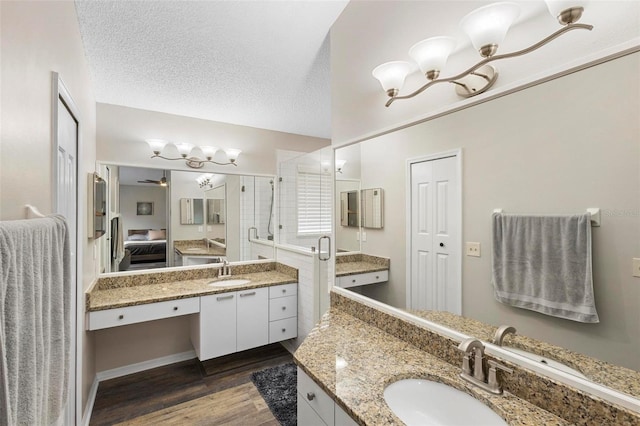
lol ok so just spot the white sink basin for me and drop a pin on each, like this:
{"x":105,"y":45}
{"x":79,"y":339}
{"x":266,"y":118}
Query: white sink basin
{"x":546,"y":361}
{"x":229,"y":283}
{"x":423,"y":402}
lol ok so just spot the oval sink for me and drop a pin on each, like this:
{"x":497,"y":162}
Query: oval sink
{"x":424,"y":402}
{"x":546,"y":361}
{"x":229,"y":283}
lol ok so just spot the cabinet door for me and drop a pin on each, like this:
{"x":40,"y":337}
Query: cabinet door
{"x":217,"y":325}
{"x":306,"y":415}
{"x":253,"y":318}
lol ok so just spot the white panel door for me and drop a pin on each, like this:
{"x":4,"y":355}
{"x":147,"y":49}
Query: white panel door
{"x":253,"y":319}
{"x":66,"y":200}
{"x":435,"y":236}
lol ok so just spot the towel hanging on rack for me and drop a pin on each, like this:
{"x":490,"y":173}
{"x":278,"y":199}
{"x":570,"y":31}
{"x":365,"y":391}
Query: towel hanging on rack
{"x":543,"y":263}
{"x":35,"y":288}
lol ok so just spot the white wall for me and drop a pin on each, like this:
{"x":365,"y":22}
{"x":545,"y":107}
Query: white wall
{"x":130,"y":195}
{"x":38,"y":38}
{"x":559,"y":147}
{"x":184,"y":185}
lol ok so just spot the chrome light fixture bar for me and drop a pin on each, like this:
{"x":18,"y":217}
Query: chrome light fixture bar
{"x":486,"y":27}
{"x":185,"y":150}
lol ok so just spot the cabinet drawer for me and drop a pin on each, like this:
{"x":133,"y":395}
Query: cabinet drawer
{"x":283,"y":307}
{"x":283,"y":290}
{"x":313,"y":395}
{"x":283,"y":329}
{"x":347,"y":281}
{"x":140,"y":313}
{"x":306,"y":415}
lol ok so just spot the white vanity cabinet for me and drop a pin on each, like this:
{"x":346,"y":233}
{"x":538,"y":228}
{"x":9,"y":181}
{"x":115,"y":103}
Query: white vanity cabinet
{"x":316,"y":408}
{"x":283,"y":312}
{"x":213,"y":332}
{"x":236,"y":321}
{"x":140,"y":313}
{"x":252,"y":320}
{"x":354,"y":280}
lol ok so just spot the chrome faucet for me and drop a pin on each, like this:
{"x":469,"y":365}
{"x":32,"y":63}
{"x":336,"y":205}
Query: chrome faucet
{"x":501,"y":333}
{"x":471,"y":346}
{"x":225,"y":271}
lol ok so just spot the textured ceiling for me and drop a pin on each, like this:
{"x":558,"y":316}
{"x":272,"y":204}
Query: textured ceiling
{"x":262,"y":64}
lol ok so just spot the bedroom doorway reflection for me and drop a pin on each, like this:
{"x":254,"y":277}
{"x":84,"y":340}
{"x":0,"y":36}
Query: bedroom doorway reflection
{"x":140,"y":218}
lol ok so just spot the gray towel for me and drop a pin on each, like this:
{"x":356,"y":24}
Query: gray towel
{"x":543,"y":263}
{"x":35,"y":288}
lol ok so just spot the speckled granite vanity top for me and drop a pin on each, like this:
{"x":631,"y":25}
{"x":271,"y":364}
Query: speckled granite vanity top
{"x":354,"y":361}
{"x":351,"y":264}
{"x":130,"y":290}
{"x":610,"y":375}
{"x":198,"y":248}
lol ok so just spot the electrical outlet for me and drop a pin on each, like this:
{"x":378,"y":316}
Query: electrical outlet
{"x":636,"y":267}
{"x":364,"y":236}
{"x":472,"y":249}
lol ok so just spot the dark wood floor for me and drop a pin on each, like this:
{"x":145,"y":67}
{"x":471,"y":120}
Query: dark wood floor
{"x":216,"y":392}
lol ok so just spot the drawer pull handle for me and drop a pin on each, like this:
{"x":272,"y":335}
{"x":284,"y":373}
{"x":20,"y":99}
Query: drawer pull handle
{"x":311,"y":396}
{"x":253,"y":293}
{"x":377,"y":277}
{"x":225,"y":297}
{"x":284,"y":290}
{"x":175,"y":308}
{"x":120,"y":317}
{"x":284,"y":330}
{"x":353,"y":280}
{"x":284,"y":308}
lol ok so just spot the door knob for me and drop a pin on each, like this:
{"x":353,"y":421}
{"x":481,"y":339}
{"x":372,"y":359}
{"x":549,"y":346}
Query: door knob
{"x":441,"y":244}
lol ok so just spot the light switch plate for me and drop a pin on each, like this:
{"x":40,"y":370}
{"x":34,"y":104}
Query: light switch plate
{"x":636,"y":267}
{"x":472,"y":249}
{"x":364,"y":236}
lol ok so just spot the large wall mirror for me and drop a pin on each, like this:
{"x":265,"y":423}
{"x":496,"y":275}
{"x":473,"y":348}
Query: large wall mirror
{"x":517,"y":153}
{"x":170,"y":218}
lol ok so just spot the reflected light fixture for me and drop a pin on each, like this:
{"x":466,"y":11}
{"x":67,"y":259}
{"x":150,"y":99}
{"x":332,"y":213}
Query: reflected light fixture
{"x":339,"y":165}
{"x":185,"y":151}
{"x":487,"y":28}
{"x":204,"y":180}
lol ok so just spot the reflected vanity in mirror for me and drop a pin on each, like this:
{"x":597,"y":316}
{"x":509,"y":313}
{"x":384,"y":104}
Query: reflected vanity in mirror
{"x":201,"y":223}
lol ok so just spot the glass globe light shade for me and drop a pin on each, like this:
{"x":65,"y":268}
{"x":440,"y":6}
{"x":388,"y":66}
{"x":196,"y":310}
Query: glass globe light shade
{"x":184,"y":148}
{"x":156,"y":145}
{"x":232,"y":154}
{"x":208,"y":151}
{"x":391,"y":75}
{"x":566,"y":11}
{"x":488,"y":25}
{"x":431,"y":54}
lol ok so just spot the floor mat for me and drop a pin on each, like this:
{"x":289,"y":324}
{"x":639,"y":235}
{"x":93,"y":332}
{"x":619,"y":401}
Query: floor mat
{"x":278,"y":387}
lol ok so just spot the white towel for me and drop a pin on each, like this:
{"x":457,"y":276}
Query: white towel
{"x":543,"y":263}
{"x":35,"y":288}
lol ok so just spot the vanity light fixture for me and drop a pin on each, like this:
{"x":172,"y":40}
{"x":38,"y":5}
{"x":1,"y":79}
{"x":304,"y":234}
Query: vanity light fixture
{"x":487,"y":28}
{"x":185,"y":150}
{"x":204,"y":180}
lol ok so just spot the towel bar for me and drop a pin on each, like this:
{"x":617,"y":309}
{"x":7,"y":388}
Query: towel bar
{"x":594,"y":211}
{"x":32,"y":212}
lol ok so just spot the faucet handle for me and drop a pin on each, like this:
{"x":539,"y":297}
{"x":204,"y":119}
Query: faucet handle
{"x":492,"y":380}
{"x":497,"y":365}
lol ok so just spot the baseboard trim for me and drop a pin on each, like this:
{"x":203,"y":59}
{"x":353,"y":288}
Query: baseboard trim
{"x":144,"y":365}
{"x":91,"y":399}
